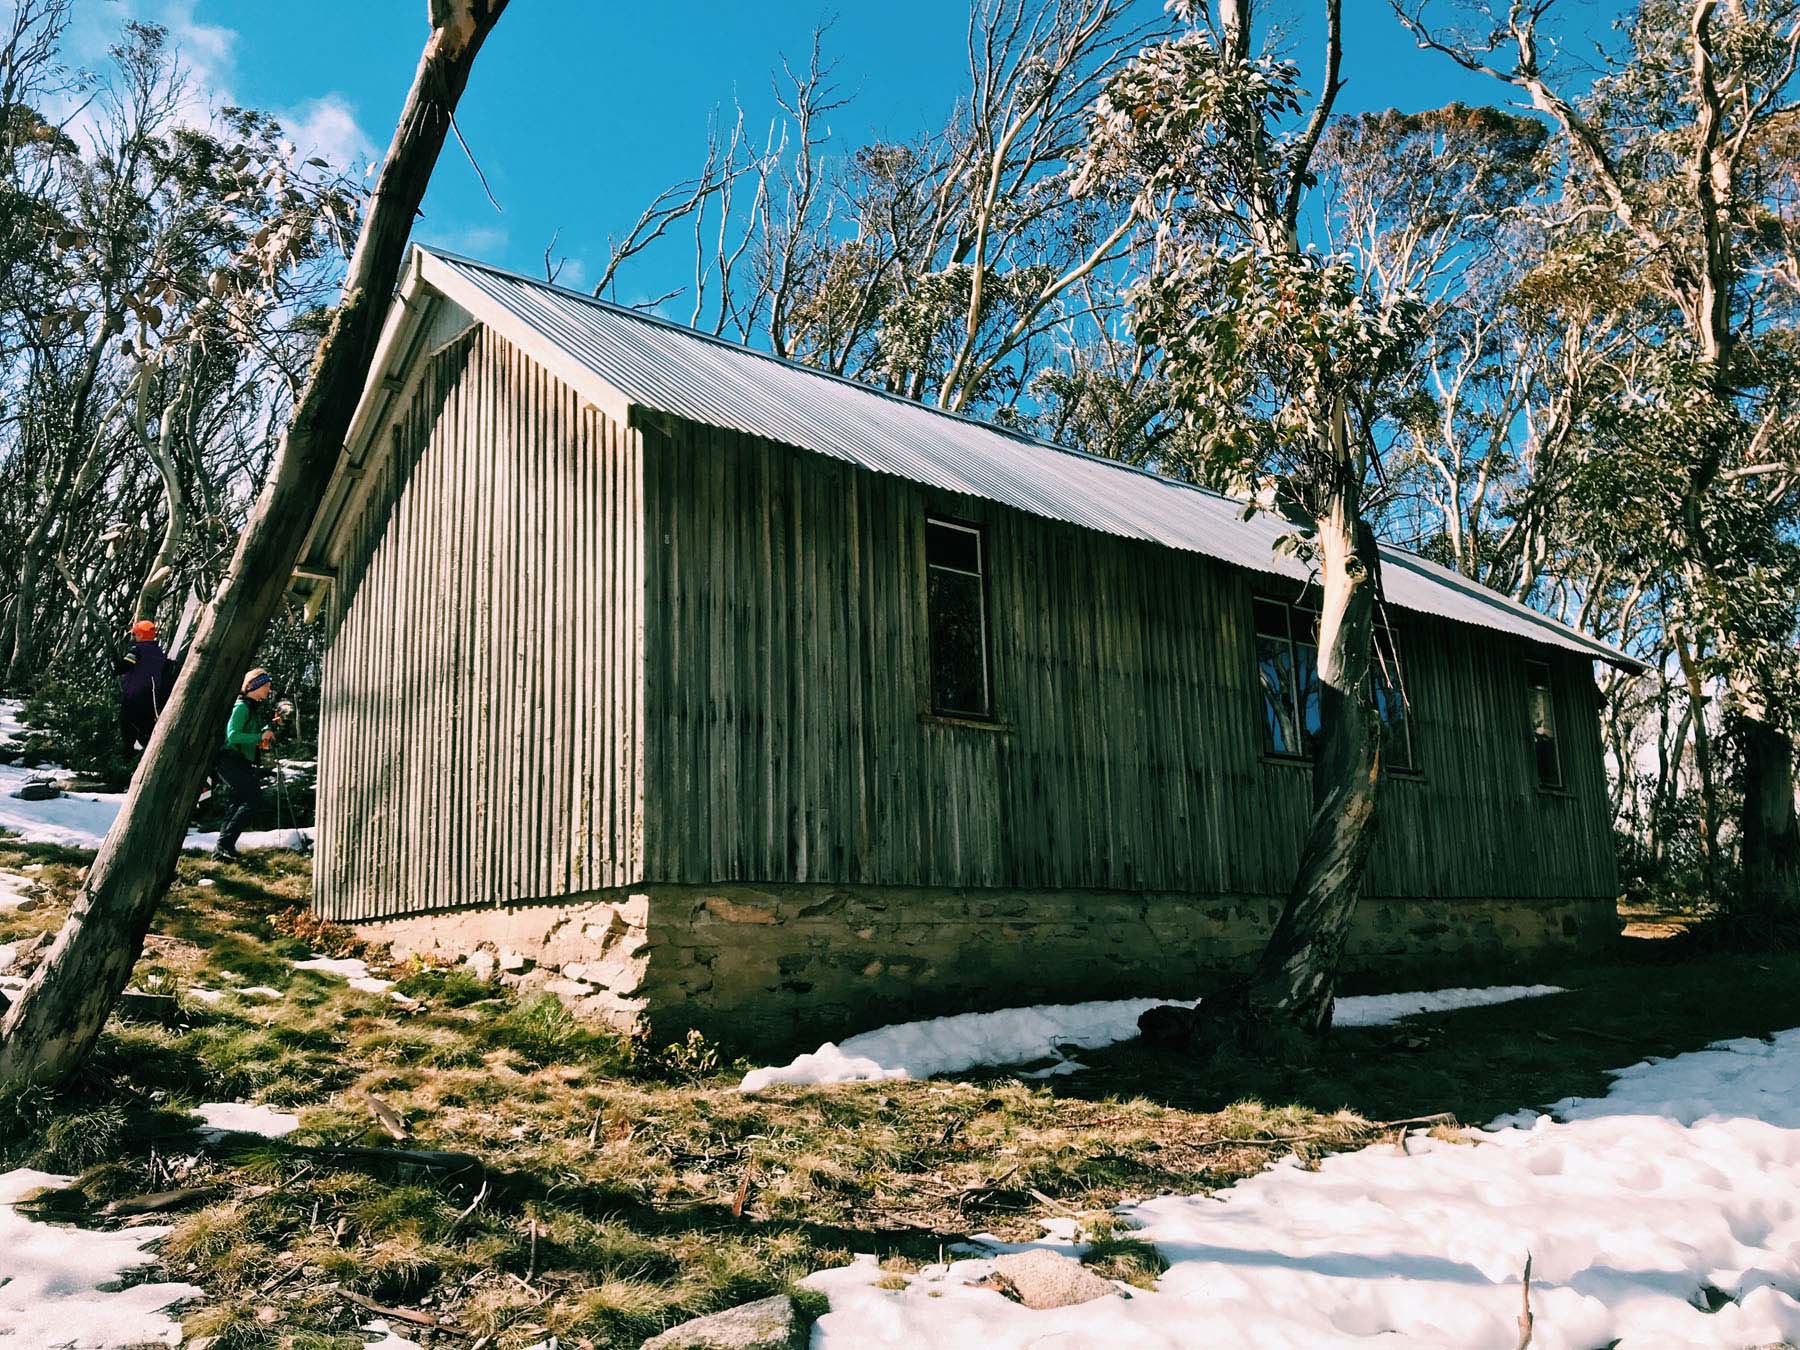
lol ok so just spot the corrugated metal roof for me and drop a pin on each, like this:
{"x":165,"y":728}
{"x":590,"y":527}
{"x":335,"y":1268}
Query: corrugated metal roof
{"x":672,"y":369}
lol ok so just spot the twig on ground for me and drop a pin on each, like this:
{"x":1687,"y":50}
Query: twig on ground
{"x":271,"y":1285}
{"x":1054,"y":1203}
{"x":1525,"y":1318}
{"x":417,"y":1319}
{"x":474,"y":1204}
{"x":742,"y":1197}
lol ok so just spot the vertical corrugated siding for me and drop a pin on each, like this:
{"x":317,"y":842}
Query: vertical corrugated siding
{"x":480,"y":739}
{"x":787,"y":735}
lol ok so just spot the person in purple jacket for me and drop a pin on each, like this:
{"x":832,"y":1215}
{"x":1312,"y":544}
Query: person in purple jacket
{"x":146,"y":674}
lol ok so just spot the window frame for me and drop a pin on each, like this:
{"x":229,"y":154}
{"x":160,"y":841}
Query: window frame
{"x":989,"y":715}
{"x":1385,"y":632}
{"x":1295,"y":710}
{"x":1305,"y":606}
{"x":1548,"y":690}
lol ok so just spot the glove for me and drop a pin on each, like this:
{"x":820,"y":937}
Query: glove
{"x":268,"y":738}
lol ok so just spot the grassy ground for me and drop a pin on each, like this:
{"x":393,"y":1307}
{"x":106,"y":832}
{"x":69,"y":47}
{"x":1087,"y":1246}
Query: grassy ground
{"x":621,"y":1188}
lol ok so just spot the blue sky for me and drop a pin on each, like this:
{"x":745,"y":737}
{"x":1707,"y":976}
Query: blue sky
{"x":580,"y":111}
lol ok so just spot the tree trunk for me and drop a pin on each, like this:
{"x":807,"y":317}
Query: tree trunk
{"x":18,"y":664}
{"x":1769,"y":833}
{"x":1291,"y":989}
{"x":57,"y":1018}
{"x":1703,"y":766}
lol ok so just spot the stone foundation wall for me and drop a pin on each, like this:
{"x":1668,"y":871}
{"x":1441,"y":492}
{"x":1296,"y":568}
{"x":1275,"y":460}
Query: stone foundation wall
{"x":772,"y":968}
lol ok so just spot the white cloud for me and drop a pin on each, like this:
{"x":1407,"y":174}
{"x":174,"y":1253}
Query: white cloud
{"x":325,"y":126}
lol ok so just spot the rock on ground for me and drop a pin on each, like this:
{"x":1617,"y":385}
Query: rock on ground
{"x":770,"y":1324}
{"x":1046,"y":1279}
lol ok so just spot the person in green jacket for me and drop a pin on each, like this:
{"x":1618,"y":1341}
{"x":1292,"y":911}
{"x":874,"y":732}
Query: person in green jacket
{"x":245,"y":739}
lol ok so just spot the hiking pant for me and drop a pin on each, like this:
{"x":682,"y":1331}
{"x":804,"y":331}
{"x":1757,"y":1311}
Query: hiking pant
{"x":135,"y":726}
{"x":240,"y":776}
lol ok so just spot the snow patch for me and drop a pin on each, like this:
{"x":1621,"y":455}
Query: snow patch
{"x":352,"y":969}
{"x":389,"y":1338}
{"x":1374,"y":1010}
{"x":223,"y":1118}
{"x":59,"y":1285}
{"x":1020,"y":1035}
{"x":15,"y":891}
{"x":1684,"y":1177}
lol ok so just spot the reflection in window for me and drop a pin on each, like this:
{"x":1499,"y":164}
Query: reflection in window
{"x":1388,"y":684}
{"x":1287,"y":663}
{"x":957,"y":605}
{"x":1287,"y":660}
{"x":1543,"y":724}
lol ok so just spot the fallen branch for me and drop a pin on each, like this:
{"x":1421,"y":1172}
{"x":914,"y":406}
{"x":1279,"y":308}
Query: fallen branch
{"x":160,"y":1201}
{"x":417,"y":1319}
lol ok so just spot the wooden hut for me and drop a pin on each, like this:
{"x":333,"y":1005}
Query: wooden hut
{"x":711,"y":690}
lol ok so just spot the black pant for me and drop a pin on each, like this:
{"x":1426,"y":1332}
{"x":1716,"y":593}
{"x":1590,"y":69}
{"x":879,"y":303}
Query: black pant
{"x":240,"y":775}
{"x":135,"y":726}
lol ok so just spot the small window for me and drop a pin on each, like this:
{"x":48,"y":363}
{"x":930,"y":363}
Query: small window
{"x":1543,"y":724}
{"x":956,"y":598}
{"x":1287,"y":663}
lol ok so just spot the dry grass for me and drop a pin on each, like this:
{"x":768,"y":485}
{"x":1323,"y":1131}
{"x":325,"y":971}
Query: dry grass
{"x":605,"y":1203}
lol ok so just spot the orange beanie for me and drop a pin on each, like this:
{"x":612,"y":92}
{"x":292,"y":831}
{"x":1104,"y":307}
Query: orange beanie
{"x":144,"y":631}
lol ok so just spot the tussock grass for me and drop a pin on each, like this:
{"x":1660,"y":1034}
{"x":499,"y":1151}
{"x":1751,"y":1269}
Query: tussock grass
{"x":605,"y":1207}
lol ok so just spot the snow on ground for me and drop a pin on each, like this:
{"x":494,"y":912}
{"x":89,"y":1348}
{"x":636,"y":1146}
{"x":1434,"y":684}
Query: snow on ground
{"x":1020,"y":1035}
{"x":15,"y":890}
{"x":81,"y":819}
{"x":58,"y":1284}
{"x":390,"y":1339}
{"x":1684,"y":1178}
{"x":351,"y":968}
{"x":222,"y":1118}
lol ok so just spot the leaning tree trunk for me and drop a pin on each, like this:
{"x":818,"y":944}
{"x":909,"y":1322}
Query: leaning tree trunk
{"x":1290,"y":992}
{"x":50,"y":1029}
{"x":1297,"y":972}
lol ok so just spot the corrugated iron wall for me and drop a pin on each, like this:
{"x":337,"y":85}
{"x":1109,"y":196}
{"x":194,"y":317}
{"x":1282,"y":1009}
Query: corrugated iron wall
{"x":480,"y":736}
{"x":789,"y":735}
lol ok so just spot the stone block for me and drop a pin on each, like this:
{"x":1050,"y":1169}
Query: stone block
{"x":769,"y":1324}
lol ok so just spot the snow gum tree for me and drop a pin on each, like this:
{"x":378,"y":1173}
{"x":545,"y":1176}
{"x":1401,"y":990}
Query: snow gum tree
{"x":1282,"y":364}
{"x":1680,"y":160}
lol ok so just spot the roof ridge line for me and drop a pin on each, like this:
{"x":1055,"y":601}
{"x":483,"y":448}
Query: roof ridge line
{"x":1440,"y":574}
{"x":687,"y":330}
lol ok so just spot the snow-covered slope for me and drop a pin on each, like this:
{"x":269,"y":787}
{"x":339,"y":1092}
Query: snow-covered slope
{"x":1677,"y":1191}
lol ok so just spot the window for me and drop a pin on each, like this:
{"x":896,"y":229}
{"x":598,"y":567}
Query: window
{"x":1543,"y":724}
{"x":1388,"y":684}
{"x":1287,"y":663}
{"x":956,"y":598}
